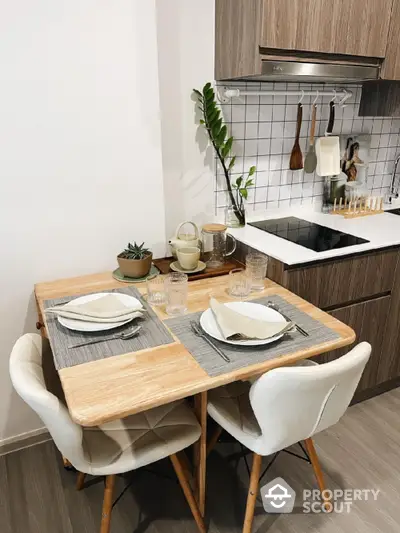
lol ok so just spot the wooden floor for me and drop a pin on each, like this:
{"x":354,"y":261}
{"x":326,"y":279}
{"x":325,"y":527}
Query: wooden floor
{"x":363,"y":451}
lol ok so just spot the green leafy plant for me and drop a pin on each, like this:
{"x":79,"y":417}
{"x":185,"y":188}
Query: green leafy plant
{"x":134,"y":251}
{"x":222,"y":143}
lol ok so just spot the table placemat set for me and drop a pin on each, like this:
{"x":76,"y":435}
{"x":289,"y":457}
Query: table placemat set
{"x":241,"y":357}
{"x":152,"y":334}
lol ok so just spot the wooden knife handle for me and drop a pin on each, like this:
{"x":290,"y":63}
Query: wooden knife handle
{"x":313,"y":124}
{"x":299,"y":121}
{"x":331,"y":118}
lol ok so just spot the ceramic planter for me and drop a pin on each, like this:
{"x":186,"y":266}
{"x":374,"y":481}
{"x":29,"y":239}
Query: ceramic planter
{"x":135,"y":268}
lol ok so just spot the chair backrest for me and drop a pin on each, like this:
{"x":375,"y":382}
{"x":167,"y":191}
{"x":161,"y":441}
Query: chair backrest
{"x":293,"y":403}
{"x":27,"y":377}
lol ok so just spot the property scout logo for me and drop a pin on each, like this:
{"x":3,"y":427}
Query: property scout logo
{"x":279,"y":497}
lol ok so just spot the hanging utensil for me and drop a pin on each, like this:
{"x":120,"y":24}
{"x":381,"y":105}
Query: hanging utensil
{"x":328,"y":149}
{"x":296,"y":157}
{"x":310,"y":163}
{"x":331,"y":121}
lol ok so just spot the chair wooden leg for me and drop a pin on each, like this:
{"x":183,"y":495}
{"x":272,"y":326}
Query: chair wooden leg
{"x":184,"y":482}
{"x":214,"y":439}
{"x":253,"y":491}
{"x":201,"y":451}
{"x":107,"y":504}
{"x":80,"y":481}
{"x":67,"y":464}
{"x":316,"y":466}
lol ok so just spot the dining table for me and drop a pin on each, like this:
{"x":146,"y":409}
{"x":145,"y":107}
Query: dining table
{"x":115,"y":387}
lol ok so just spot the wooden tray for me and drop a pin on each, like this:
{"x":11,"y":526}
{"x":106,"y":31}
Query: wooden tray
{"x":164,"y":266}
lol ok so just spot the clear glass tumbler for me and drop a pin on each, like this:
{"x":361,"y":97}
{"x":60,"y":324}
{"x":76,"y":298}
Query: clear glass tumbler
{"x":155,"y":290}
{"x":176,"y":291}
{"x":239,"y":283}
{"x":256,"y":267}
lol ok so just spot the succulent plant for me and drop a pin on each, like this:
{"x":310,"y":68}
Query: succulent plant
{"x":134,"y":251}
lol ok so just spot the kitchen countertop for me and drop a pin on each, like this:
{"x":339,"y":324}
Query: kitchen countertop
{"x":381,"y":230}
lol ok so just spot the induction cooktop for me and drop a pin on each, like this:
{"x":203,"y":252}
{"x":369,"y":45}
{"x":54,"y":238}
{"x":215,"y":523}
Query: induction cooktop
{"x":308,"y":234}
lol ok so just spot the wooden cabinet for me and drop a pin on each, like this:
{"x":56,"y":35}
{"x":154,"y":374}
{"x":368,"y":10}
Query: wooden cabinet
{"x":368,"y":319}
{"x":343,"y":281}
{"x":357,"y":28}
{"x":357,"y":31}
{"x":391,"y":65}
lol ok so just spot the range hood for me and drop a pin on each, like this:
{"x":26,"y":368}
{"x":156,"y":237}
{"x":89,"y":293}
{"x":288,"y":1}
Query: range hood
{"x":301,"y":71}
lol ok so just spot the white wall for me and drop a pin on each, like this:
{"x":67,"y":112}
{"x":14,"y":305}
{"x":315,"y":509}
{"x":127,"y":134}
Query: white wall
{"x":80,"y":152}
{"x":185,"y":30}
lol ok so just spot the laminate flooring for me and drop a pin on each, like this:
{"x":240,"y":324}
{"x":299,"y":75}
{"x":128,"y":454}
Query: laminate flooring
{"x":37,"y":495}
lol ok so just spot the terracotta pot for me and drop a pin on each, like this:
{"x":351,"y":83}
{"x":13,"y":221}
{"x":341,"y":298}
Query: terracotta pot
{"x":135,"y":268}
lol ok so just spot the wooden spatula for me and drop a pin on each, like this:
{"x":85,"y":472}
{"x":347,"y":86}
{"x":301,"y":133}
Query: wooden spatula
{"x":310,"y":163}
{"x":296,"y":157}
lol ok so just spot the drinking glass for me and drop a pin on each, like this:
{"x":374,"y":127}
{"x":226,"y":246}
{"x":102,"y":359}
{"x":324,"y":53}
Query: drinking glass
{"x":176,"y":291}
{"x":239,"y":283}
{"x":155,"y":290}
{"x":256,"y":267}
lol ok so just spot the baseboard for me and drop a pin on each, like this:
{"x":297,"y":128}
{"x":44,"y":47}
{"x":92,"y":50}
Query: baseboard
{"x":376,"y":391}
{"x":24,"y":440}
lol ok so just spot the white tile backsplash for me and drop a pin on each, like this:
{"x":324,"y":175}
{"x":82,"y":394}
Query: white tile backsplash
{"x":264,"y":128}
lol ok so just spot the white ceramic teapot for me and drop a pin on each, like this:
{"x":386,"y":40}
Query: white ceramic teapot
{"x":183,"y":240}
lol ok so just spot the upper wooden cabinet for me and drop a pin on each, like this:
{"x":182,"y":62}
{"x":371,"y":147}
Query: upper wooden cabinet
{"x":391,"y":65}
{"x":346,"y":31}
{"x":351,"y":27}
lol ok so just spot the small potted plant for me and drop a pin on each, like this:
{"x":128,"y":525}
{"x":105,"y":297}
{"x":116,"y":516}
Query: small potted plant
{"x":135,"y":261}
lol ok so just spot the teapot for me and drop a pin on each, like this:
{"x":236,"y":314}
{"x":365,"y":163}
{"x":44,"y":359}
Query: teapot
{"x":184,"y":240}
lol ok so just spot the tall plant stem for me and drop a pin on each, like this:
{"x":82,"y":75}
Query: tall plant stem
{"x":236,"y":208}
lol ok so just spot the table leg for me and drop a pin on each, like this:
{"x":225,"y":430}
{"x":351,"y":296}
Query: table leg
{"x":201,"y":451}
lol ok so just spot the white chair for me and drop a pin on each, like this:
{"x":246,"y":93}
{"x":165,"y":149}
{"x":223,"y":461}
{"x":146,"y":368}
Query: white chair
{"x":285,"y":406}
{"x":111,"y":448}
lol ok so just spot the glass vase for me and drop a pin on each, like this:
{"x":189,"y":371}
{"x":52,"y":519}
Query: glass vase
{"x":235,"y":218}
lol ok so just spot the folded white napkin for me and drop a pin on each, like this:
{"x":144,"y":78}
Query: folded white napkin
{"x":108,"y":308}
{"x":235,"y":325}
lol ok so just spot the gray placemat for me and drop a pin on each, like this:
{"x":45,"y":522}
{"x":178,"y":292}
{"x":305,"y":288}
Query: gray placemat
{"x":244,"y":356}
{"x":152,"y":334}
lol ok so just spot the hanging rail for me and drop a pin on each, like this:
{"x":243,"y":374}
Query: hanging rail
{"x":226,"y":93}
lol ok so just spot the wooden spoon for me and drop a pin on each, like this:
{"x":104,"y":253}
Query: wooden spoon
{"x":296,"y":157}
{"x":310,"y":163}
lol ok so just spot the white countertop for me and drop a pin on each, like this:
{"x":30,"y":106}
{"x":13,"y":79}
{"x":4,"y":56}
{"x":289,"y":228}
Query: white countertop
{"x":381,"y":230}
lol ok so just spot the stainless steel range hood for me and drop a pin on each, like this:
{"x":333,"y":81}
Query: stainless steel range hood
{"x":315,"y":72}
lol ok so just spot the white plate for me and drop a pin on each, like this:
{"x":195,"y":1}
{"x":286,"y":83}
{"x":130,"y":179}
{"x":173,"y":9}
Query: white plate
{"x":81,"y":325}
{"x":252,"y":310}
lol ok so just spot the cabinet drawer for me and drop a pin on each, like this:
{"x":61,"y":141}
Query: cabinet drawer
{"x":343,"y":281}
{"x":368,"y":319}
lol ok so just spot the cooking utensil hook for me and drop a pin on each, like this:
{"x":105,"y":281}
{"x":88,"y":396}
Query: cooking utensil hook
{"x":346,"y":95}
{"x":335,"y":96}
{"x":316,"y":98}
{"x":302,"y":97}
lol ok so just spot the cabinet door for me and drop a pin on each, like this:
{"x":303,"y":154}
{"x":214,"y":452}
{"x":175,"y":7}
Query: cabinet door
{"x":391,"y":65}
{"x":356,"y":27}
{"x":368,"y":319}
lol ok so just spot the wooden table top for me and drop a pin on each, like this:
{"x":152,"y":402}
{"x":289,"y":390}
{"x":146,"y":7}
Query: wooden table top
{"x":112,"y":388}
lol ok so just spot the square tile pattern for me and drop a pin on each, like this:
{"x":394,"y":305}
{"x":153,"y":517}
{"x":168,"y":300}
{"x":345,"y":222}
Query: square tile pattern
{"x":264,"y":128}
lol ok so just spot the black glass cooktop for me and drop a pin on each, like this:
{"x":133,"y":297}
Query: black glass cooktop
{"x":308,"y":234}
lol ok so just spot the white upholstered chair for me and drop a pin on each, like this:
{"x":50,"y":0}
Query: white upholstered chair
{"x":112,"y":448}
{"x":285,"y":406}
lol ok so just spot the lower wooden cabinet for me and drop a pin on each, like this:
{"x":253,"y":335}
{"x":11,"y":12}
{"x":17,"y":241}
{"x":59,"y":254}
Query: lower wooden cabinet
{"x":368,"y":319}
